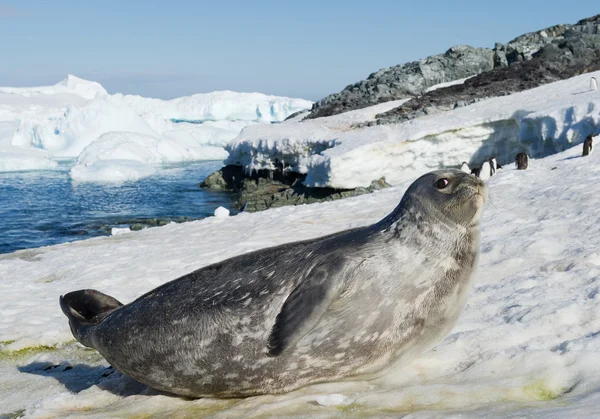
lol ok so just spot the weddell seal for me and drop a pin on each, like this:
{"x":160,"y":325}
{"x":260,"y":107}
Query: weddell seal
{"x":350,"y":305}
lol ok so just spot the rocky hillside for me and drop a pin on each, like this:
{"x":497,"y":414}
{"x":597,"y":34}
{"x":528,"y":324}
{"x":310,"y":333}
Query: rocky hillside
{"x":527,"y":62}
{"x":413,"y":79}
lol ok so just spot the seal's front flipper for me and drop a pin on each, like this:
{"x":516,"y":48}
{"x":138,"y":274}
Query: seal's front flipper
{"x":303,"y":309}
{"x":86,"y":308}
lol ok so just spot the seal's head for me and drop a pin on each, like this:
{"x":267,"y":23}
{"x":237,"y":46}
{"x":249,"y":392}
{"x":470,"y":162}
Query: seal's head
{"x":451,"y":196}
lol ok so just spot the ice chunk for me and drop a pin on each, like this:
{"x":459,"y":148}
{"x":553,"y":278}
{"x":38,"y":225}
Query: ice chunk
{"x":221,"y":212}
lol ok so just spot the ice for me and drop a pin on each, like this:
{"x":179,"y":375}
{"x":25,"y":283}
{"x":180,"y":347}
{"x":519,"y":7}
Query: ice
{"x":129,"y":156}
{"x":117,"y":231}
{"x":72,"y":132}
{"x":527,"y":344}
{"x":66,"y":119}
{"x":540,"y":121}
{"x":220,"y":105}
{"x":14,"y":159}
{"x":71,"y":85}
{"x":221,"y":212}
{"x":333,"y":400}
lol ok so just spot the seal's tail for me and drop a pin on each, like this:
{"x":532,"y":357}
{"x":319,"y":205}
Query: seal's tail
{"x":85,"y":309}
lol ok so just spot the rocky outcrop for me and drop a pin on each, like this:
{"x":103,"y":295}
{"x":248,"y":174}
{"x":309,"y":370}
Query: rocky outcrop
{"x":406,"y":80}
{"x":270,"y":189}
{"x":412,"y":79}
{"x":575,"y":52}
{"x":523,"y":47}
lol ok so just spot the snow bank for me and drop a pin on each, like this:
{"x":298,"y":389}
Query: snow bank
{"x":540,"y":121}
{"x":527,"y":344}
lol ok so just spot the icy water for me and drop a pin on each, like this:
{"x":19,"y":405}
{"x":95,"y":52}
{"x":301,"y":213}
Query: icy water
{"x":45,"y":207}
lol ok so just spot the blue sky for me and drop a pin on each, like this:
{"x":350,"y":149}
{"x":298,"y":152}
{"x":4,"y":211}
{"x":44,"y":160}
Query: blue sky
{"x":301,"y":48}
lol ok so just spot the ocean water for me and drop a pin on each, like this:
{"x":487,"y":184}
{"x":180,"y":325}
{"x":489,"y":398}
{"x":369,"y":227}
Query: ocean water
{"x":42,"y":208}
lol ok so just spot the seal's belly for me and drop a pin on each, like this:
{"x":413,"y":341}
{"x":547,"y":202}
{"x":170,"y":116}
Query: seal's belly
{"x":196,"y":360}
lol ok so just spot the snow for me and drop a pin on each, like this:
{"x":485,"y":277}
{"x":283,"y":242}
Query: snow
{"x":221,"y":212}
{"x":527,"y":344}
{"x":447,"y":84}
{"x":540,"y":122}
{"x":65,"y":120}
{"x":116,"y":231}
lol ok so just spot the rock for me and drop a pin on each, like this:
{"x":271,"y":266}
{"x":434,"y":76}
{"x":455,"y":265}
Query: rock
{"x":406,"y":80}
{"x":412,"y":79}
{"x":226,"y":179}
{"x":265,"y":189}
{"x":569,"y":52}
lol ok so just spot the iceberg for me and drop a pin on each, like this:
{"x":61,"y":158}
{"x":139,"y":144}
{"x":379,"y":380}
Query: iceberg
{"x":128,"y":156}
{"x":65,"y":119}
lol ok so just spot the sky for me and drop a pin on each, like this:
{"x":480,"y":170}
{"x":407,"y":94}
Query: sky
{"x":307,"y":48}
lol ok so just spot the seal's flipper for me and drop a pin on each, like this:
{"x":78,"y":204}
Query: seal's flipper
{"x":302,"y":310}
{"x":86,"y":308}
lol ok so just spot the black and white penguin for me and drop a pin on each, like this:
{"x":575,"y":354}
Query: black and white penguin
{"x":465,"y":167}
{"x":593,"y":84}
{"x":494,"y":164}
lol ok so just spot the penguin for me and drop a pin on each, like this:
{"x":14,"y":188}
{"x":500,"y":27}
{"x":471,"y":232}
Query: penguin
{"x":521,"y":161}
{"x":587,"y":146}
{"x":465,"y":167}
{"x":485,"y":172}
{"x":593,"y":84}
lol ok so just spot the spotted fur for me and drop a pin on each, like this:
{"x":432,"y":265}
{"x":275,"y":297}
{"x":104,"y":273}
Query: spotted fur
{"x":348,"y":305}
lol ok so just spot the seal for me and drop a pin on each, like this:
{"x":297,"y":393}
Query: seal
{"x":588,"y":146}
{"x":522,"y":161}
{"x":350,"y":305}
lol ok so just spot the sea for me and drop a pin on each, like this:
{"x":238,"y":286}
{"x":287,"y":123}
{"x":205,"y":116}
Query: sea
{"x":41,"y":208}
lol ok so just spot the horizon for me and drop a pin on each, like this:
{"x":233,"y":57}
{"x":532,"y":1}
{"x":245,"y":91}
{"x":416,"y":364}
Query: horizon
{"x":306,"y":50}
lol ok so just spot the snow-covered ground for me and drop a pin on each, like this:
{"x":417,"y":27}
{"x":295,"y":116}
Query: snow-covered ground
{"x":527,"y":344}
{"x":540,"y":121}
{"x":74,"y":118}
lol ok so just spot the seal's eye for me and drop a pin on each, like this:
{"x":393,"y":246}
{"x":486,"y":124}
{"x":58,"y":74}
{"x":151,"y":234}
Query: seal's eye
{"x":442,"y":183}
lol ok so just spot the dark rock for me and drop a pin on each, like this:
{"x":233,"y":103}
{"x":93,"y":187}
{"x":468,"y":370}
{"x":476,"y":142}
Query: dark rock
{"x":412,"y":79}
{"x":406,"y":80}
{"x":228,"y":178}
{"x":576,"y":52}
{"x":270,"y":189}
